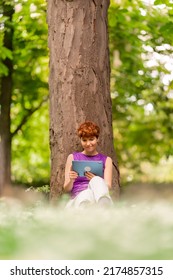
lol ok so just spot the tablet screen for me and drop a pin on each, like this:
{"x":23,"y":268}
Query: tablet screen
{"x":82,"y":166}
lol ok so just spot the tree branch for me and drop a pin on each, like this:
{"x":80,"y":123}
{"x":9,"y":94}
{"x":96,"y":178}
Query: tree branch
{"x":27,"y":116}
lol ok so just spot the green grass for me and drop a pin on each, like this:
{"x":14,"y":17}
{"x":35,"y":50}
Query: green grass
{"x":142,"y":230}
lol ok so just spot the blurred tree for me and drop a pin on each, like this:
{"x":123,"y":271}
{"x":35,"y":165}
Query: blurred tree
{"x":5,"y":97}
{"x":27,"y":56}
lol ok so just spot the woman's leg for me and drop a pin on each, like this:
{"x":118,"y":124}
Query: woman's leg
{"x":81,"y":200}
{"x":100,"y":190}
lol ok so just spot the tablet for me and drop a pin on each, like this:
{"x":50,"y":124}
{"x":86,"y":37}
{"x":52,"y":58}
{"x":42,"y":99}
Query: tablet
{"x":82,"y":166}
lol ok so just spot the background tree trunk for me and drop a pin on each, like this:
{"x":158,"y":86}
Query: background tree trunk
{"x":5,"y":102}
{"x":79,"y":81}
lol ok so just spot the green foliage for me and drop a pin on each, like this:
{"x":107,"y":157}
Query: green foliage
{"x":44,"y":189}
{"x":32,"y":144}
{"x":141,"y":82}
{"x":29,"y":107}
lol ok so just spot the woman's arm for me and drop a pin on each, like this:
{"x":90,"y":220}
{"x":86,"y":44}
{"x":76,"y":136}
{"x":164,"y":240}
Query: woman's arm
{"x":108,"y":172}
{"x":70,"y":175}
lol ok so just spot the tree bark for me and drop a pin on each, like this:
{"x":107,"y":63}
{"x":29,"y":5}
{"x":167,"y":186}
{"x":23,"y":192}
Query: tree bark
{"x":79,"y":81}
{"x":5,"y":102}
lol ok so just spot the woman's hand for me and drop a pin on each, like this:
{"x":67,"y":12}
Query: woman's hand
{"x":89,"y":175}
{"x":73,"y":175}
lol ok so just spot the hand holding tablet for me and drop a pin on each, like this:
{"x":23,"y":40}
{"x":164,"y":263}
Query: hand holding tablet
{"x":82,"y":166}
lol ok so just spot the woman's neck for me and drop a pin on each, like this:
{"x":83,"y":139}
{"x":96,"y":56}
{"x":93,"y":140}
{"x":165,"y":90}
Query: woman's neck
{"x":94,"y":153}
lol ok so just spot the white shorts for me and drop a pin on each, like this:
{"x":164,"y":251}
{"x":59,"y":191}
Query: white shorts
{"x":97,"y":188}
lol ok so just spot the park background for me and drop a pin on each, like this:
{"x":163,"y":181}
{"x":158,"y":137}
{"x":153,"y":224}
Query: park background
{"x":141,"y":44}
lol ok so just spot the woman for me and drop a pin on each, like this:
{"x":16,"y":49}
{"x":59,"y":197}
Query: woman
{"x":90,"y":188}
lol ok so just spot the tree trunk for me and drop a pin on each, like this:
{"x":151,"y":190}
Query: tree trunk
{"x":79,"y":81}
{"x":5,"y":102}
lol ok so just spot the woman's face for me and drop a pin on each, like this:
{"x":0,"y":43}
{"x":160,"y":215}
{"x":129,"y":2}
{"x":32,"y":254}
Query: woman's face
{"x":89,"y":144}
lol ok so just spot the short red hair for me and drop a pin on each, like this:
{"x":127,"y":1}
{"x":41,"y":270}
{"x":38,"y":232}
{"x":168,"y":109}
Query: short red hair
{"x":88,"y":129}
